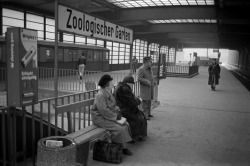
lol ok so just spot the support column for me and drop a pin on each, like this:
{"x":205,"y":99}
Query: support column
{"x":130,"y":59}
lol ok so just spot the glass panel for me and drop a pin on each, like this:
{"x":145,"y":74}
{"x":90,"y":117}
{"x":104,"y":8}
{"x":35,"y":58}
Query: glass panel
{"x":50,"y":29}
{"x":68,"y":38}
{"x":13,"y":14}
{"x":80,"y":39}
{"x":91,"y":41}
{"x":35,"y":22}
{"x":147,"y":3}
{"x":100,"y":42}
{"x":114,"y":61}
{"x":12,"y":18}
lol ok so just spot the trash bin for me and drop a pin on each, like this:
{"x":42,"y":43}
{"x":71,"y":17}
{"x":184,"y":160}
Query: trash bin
{"x":54,"y":155}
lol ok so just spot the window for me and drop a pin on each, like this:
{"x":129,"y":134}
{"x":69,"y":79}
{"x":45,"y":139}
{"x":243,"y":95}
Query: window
{"x":91,"y":41}
{"x":50,"y":29}
{"x":154,"y":52}
{"x":100,"y":43}
{"x":12,"y":18}
{"x":140,"y":49}
{"x":171,"y":57}
{"x":68,"y":38}
{"x":80,"y":40}
{"x":35,"y":22}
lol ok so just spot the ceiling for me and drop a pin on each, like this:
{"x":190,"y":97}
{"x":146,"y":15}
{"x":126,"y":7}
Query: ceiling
{"x":195,"y":24}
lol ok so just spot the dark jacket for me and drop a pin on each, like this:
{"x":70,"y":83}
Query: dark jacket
{"x":82,"y":60}
{"x":214,"y":70}
{"x":128,"y":104}
{"x":126,"y":100}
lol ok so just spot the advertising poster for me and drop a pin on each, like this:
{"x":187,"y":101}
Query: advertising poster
{"x":22,"y":67}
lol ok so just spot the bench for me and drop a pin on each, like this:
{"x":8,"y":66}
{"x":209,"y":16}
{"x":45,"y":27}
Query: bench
{"x":83,"y":137}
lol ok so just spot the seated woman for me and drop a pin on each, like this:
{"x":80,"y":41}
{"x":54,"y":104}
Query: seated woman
{"x":106,"y":114}
{"x":128,"y":104}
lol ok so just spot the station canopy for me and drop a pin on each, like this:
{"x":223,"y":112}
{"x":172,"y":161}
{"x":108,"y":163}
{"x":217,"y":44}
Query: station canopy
{"x":181,"y":23}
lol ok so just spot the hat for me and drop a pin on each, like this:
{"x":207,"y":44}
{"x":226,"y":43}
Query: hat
{"x":104,"y":80}
{"x":128,"y":79}
{"x":147,"y":59}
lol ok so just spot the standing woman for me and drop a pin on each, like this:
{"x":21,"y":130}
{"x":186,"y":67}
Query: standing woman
{"x":106,"y":114}
{"x":214,"y":74}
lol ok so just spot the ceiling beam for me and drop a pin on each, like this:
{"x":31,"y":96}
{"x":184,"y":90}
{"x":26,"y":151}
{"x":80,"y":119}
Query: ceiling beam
{"x":233,"y":13}
{"x":162,"y":13}
{"x":192,"y":35}
{"x":237,"y":29}
{"x":187,"y":28}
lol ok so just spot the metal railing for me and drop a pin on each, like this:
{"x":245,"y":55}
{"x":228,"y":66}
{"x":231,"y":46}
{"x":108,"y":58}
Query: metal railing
{"x":69,"y":79}
{"x":177,"y":71}
{"x":21,"y":128}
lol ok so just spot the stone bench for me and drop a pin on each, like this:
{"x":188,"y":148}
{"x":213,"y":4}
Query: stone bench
{"x":84,"y":137}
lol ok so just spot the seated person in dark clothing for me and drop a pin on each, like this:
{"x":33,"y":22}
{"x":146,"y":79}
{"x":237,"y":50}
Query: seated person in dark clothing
{"x":128,"y":104}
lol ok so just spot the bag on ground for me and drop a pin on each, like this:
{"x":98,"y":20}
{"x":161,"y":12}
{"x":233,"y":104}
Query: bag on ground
{"x":107,"y":152}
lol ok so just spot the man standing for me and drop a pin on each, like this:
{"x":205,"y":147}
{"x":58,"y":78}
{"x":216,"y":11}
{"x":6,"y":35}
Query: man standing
{"x":145,"y":77}
{"x":134,"y":64}
{"x":81,"y":65}
{"x":214,"y":74}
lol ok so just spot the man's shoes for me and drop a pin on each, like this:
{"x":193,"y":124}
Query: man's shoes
{"x":132,"y":141}
{"x":150,"y":116}
{"x":140,"y":138}
{"x":127,"y":152}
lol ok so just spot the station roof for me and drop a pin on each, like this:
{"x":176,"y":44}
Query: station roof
{"x":181,"y":23}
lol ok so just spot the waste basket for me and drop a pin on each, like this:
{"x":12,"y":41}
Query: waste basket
{"x":64,"y":155}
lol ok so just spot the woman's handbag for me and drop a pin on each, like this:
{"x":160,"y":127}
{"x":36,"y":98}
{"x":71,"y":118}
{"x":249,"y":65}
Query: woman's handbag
{"x":107,"y":152}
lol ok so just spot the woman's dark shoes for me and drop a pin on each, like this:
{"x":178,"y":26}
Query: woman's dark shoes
{"x":127,"y":152}
{"x":150,"y":116}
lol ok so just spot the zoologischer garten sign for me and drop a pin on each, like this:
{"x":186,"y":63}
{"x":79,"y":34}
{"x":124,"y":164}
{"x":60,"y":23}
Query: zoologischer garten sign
{"x":73,"y":21}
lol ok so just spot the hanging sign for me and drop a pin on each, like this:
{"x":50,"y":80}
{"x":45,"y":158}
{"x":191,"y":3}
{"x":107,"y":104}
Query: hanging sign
{"x":22,"y":69}
{"x":72,"y":21}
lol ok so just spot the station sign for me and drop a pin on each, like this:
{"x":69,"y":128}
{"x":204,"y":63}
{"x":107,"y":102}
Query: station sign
{"x":22,"y":68}
{"x":73,"y":21}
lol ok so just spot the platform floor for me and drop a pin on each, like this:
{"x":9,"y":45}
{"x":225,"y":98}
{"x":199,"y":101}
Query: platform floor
{"x":195,"y":126}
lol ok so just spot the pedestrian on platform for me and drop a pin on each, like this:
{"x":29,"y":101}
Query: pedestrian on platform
{"x":106,"y":114}
{"x":81,"y":65}
{"x":128,"y":104}
{"x":134,"y":64}
{"x":147,"y":83}
{"x":214,"y":74}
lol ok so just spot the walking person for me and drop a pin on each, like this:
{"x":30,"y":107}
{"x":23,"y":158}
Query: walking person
{"x":214,"y":74}
{"x":145,"y":77}
{"x":134,"y":64}
{"x":81,"y":65}
{"x":106,"y":114}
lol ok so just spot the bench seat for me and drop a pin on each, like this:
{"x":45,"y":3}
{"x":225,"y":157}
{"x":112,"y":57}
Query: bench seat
{"x":83,"y":138}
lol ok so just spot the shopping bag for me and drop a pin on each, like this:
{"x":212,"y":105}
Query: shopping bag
{"x":107,"y":152}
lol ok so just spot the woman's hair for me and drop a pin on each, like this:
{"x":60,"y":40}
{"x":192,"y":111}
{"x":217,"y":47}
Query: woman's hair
{"x":105,"y":81}
{"x":106,"y":85}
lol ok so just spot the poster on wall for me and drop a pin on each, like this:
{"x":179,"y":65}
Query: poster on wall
{"x":22,"y":67}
